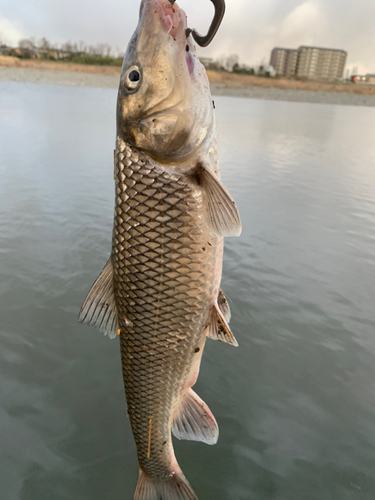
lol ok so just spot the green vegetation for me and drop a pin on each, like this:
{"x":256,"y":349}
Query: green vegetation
{"x":94,"y":59}
{"x":242,"y":70}
{"x":100,"y":54}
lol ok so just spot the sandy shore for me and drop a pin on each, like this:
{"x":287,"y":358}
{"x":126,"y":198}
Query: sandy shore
{"x":295,"y":95}
{"x":49,"y":73}
{"x":53,"y":77}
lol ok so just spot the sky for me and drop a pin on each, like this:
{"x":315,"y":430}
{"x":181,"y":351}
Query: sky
{"x":251,"y":28}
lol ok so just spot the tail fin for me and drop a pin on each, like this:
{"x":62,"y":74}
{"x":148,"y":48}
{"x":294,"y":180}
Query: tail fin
{"x":176,"y":487}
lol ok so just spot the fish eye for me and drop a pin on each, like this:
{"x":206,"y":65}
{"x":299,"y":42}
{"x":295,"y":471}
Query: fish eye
{"x":133,"y":78}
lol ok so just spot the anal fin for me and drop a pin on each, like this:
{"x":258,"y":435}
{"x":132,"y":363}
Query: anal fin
{"x":99,"y":308}
{"x":194,"y":421}
{"x":218,"y":328}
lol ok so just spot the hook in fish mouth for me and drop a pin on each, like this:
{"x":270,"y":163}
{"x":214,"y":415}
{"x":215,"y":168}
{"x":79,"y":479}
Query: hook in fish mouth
{"x":203,"y":41}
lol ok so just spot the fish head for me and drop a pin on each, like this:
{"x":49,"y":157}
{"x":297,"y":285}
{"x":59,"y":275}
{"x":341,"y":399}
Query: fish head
{"x":164,"y":105}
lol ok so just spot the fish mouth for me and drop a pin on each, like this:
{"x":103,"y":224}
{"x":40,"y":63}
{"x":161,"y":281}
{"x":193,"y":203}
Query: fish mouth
{"x":173,"y":18}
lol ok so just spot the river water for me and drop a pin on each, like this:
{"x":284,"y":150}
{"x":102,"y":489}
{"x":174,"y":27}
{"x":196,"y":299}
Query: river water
{"x":295,"y":402}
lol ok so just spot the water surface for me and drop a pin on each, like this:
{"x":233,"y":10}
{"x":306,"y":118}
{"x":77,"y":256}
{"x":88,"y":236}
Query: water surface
{"x":295,"y":402}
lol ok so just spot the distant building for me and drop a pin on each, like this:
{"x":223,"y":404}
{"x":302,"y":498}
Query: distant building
{"x":284,"y":61}
{"x":358,"y":78}
{"x":309,"y":62}
{"x":363,"y":79}
{"x":321,"y":64}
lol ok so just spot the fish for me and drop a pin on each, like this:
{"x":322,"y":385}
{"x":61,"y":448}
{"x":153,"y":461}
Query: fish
{"x":159,"y":291}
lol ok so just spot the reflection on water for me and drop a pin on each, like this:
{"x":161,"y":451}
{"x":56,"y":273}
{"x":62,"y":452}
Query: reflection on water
{"x":295,"y":402}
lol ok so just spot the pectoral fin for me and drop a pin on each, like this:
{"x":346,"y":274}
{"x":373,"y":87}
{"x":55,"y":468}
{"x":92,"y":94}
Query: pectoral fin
{"x":99,"y":307}
{"x":223,"y":216}
{"x":194,"y":421}
{"x":218,"y":328}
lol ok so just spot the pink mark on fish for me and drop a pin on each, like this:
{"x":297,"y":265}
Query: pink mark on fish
{"x":190,"y":63}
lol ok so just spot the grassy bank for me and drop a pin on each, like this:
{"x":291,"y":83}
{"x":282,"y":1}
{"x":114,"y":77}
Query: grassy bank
{"x":243,"y":81}
{"x":15,"y":62}
{"x":221,"y":78}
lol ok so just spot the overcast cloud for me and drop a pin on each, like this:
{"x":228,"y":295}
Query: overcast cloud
{"x":251,"y":28}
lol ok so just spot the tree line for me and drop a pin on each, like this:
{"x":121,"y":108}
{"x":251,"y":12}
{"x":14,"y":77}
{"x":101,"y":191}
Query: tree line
{"x":232,"y":64}
{"x":77,"y":52}
{"x":104,"y":54}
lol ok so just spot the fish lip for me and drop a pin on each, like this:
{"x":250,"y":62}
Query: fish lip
{"x":172,"y":17}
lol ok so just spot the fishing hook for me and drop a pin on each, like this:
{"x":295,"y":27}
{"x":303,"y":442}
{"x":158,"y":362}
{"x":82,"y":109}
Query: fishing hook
{"x":203,"y":41}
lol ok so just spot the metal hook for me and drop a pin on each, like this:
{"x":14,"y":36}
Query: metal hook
{"x":203,"y":41}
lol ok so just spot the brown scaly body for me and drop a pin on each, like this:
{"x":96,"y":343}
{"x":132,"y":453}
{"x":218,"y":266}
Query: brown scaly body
{"x":167,"y":269}
{"x":159,"y":290}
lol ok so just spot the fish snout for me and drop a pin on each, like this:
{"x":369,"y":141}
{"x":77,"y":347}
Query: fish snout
{"x":173,"y":18}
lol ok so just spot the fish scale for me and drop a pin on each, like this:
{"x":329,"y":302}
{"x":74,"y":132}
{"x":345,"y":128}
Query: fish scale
{"x":167,"y":268}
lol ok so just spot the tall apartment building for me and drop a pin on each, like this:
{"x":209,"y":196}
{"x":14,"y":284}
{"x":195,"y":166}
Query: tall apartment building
{"x":284,"y":61}
{"x":309,"y":62}
{"x":322,"y":64}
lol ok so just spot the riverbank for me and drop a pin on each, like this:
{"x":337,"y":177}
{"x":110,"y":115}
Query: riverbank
{"x":55,"y":73}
